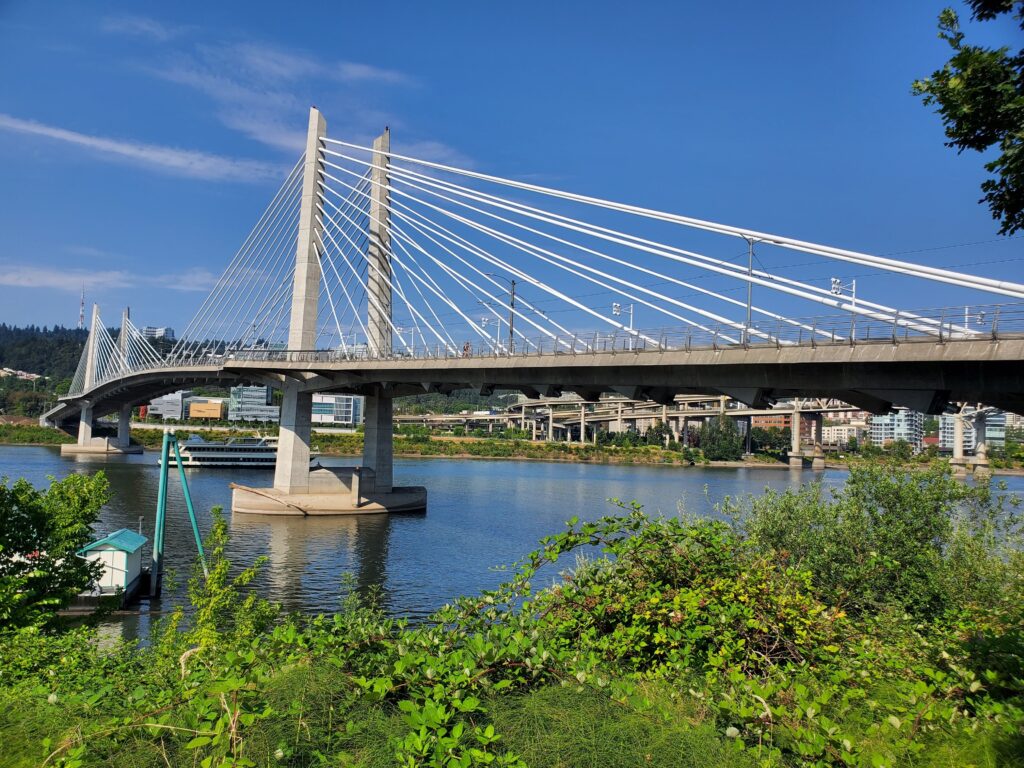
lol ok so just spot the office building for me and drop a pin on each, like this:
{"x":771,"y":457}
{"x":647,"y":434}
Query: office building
{"x":151,"y":332}
{"x":206,"y":409}
{"x":841,"y":434}
{"x":343,"y":410}
{"x":252,"y":404}
{"x":172,"y":406}
{"x":902,"y":425}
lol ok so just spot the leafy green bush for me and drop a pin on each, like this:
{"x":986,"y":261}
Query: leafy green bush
{"x":921,"y":541}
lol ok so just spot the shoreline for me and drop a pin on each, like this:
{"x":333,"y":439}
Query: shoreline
{"x":603,"y":459}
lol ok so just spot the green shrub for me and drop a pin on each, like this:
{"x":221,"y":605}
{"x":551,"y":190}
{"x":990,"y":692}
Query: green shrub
{"x":922,"y":541}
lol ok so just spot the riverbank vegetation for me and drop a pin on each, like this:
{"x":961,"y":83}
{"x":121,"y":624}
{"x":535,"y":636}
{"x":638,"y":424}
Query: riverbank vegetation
{"x":880,"y":624}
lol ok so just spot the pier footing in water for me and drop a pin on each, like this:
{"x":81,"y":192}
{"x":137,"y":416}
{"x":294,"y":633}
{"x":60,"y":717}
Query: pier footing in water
{"x":341,"y":491}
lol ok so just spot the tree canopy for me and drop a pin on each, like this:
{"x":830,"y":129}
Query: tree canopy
{"x":979,"y":93}
{"x":40,"y":533}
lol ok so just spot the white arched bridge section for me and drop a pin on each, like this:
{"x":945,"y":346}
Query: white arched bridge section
{"x":381,"y":274}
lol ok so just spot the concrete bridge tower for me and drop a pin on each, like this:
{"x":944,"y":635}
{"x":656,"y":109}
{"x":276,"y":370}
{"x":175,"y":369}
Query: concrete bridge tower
{"x":291,"y":473}
{"x":369,"y":488}
{"x":378,"y":415}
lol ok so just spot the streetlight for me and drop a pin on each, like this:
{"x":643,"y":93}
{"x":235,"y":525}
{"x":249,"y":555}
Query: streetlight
{"x":617,"y":311}
{"x":511,"y":310}
{"x":837,"y":288}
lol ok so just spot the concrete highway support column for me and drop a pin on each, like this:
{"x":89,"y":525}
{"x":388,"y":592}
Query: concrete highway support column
{"x":124,"y":427}
{"x":551,"y":423}
{"x":85,"y":426}
{"x":980,"y":439}
{"x":583,"y":422}
{"x":291,"y":471}
{"x":378,"y":442}
{"x":796,"y":460}
{"x":958,"y":438}
{"x":817,"y":433}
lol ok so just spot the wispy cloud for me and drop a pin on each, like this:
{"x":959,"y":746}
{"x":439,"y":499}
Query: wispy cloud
{"x":62,"y":278}
{"x":71,"y":280}
{"x":172,"y":160}
{"x":263,"y":91}
{"x":192,"y":280}
{"x":142,"y":26}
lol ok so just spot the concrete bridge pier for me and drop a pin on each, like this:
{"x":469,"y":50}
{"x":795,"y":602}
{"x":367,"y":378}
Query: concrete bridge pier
{"x":291,"y":472}
{"x":796,"y":456}
{"x":124,"y":427}
{"x":378,"y":443}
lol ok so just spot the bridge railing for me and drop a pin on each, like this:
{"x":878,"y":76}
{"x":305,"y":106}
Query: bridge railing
{"x":932,"y":326}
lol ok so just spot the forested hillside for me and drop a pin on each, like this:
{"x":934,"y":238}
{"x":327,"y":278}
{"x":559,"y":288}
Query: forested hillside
{"x":52,"y":352}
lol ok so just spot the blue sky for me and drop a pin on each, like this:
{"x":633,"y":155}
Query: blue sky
{"x":140,"y":142}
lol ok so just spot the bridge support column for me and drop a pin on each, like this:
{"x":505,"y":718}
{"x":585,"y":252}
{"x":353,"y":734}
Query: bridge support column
{"x":980,"y":440}
{"x":747,"y":439}
{"x":796,"y":459}
{"x":817,"y":432}
{"x":551,"y":423}
{"x":378,"y":442}
{"x":124,"y":427}
{"x":583,"y":423}
{"x":958,"y":438}
{"x":85,"y":426}
{"x":291,"y":471}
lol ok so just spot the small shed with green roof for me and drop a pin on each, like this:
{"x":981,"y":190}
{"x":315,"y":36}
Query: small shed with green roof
{"x":121,"y":556}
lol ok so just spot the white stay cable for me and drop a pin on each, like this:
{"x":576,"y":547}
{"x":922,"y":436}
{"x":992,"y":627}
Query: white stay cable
{"x":942,"y":275}
{"x":321,"y":254}
{"x":243,"y":253}
{"x":384,"y":313}
{"x":459,"y":279}
{"x":264,"y":288}
{"x":212,"y":325}
{"x":536,"y":251}
{"x":516,"y":208}
{"x":574,"y":267}
{"x":401,"y":293}
{"x":643,"y":244}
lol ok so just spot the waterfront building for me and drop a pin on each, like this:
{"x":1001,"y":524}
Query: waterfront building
{"x":211,"y":408}
{"x":841,"y":434}
{"x":345,"y":410}
{"x":947,"y":432}
{"x":172,"y":406}
{"x":252,"y":404}
{"x":903,"y":424}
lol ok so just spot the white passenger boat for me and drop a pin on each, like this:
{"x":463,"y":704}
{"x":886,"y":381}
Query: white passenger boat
{"x":236,"y":452}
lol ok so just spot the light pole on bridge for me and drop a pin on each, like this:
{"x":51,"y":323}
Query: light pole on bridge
{"x":511,"y":310}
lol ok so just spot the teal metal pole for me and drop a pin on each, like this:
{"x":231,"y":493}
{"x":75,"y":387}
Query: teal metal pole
{"x":191,"y":509}
{"x":161,"y":514}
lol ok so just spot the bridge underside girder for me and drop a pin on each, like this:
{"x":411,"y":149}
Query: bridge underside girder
{"x":925,"y":377}
{"x":928,"y":388}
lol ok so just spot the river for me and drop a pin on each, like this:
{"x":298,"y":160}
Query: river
{"x":481,"y":514}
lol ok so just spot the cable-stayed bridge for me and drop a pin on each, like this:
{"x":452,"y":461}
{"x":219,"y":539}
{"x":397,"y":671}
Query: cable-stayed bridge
{"x":380,"y":274}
